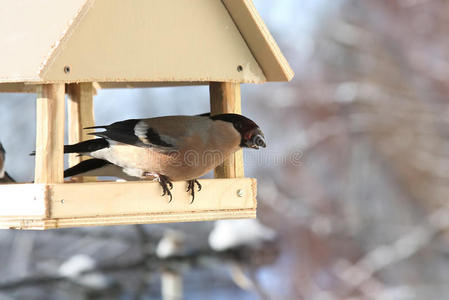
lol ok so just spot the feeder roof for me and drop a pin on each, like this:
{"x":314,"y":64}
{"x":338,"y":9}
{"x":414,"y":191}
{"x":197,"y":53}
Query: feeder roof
{"x":152,"y":41}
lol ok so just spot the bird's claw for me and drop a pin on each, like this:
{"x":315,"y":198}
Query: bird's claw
{"x":170,"y":184}
{"x":166,"y":186}
{"x":191,"y":188}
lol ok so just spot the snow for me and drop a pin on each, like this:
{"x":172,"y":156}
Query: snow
{"x":229,"y":234}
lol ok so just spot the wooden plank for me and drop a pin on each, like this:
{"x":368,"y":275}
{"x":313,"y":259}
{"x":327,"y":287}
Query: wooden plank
{"x":225,"y":98}
{"x":197,"y":42}
{"x":49,"y":133}
{"x":17,"y":87}
{"x":259,"y":40}
{"x":29,"y":31}
{"x":113,"y":203}
{"x":24,"y":224}
{"x":41,"y":224}
{"x":80,"y":115}
{"x":22,"y":200}
{"x":143,"y":84}
{"x":72,"y":200}
{"x":63,"y":35}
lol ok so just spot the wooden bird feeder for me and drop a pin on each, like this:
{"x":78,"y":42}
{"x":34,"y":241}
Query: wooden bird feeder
{"x":74,"y":47}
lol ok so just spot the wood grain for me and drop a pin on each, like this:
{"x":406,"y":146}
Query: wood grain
{"x":17,"y":87}
{"x":128,"y":198}
{"x":49,"y":133}
{"x":42,"y":224}
{"x":225,"y":98}
{"x":259,"y":40}
{"x":115,"y":203}
{"x":183,"y":51}
{"x":80,"y":110}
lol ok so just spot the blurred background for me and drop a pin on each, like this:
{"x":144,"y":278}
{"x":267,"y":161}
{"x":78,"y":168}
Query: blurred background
{"x":353,"y":186}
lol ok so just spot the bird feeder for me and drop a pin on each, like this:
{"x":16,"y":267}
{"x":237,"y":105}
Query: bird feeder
{"x":75,"y":47}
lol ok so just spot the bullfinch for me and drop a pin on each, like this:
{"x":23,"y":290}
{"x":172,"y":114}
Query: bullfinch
{"x":166,"y":149}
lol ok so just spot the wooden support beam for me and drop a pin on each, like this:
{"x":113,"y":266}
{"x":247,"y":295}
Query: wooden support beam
{"x":49,"y":133}
{"x":80,"y":110}
{"x":44,"y":206}
{"x":259,"y":40}
{"x":17,"y":87}
{"x":225,"y":98}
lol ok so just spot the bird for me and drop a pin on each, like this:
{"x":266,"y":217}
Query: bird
{"x":168,"y":148}
{"x":4,"y":176}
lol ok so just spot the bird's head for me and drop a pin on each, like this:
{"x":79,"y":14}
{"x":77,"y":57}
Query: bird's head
{"x":252,"y":136}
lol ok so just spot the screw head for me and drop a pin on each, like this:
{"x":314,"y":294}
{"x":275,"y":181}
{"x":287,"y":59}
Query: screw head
{"x":239,"y":68}
{"x":67,"y":69}
{"x":240,"y":193}
{"x":62,"y":201}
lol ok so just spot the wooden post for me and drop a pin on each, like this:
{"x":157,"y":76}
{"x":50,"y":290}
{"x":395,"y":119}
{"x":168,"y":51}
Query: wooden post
{"x":49,"y":133}
{"x":80,"y":114}
{"x":80,"y":110}
{"x":225,"y":98}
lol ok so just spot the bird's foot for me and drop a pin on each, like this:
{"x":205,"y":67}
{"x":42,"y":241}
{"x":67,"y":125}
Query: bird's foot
{"x":191,"y":188}
{"x":166,"y":186}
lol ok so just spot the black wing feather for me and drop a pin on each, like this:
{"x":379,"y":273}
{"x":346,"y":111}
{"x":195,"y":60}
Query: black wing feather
{"x":154,"y":138}
{"x":124,"y":132}
{"x":85,"y":166}
{"x":86,"y":146}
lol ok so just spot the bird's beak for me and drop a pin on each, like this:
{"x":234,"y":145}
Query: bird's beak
{"x":258,"y":140}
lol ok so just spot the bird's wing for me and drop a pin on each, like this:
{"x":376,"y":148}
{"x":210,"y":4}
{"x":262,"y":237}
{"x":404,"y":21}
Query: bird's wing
{"x":163,"y":134}
{"x":85,"y":166}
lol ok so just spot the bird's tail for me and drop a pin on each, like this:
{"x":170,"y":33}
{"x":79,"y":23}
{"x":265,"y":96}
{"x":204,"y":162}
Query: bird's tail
{"x":85,"y":166}
{"x":86,"y":146}
{"x":95,"y":127}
